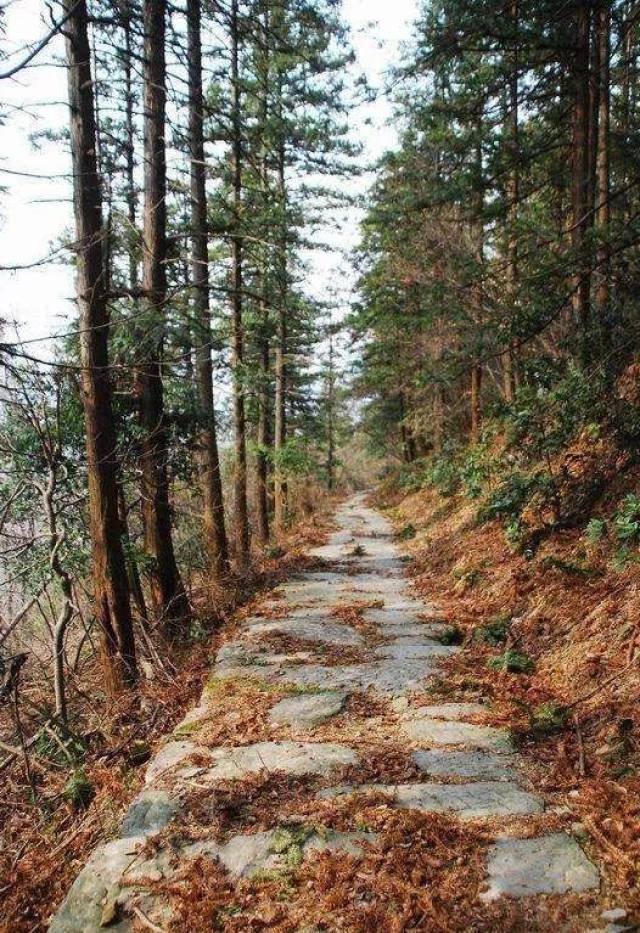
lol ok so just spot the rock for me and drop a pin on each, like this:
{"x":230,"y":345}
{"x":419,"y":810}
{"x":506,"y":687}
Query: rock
{"x":224,"y":764}
{"x":400,"y":622}
{"x":423,"y":728}
{"x":387,"y":677}
{"x":478,"y":766}
{"x":279,"y":849}
{"x":306,"y":711}
{"x":552,"y":864}
{"x":95,"y":890}
{"x":453,"y":712}
{"x":468,"y":801}
{"x":288,"y":757}
{"x":422,"y":634}
{"x":149,"y":813}
{"x":110,"y":911}
{"x":248,"y":653}
{"x":173,"y":754}
{"x":323,"y":632}
{"x":109,"y":882}
{"x":617,"y":913}
{"x":411,"y":652}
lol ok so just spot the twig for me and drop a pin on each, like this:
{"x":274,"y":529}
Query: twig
{"x":56,"y":738}
{"x":148,"y":726}
{"x":606,"y":844}
{"x":74,"y":835}
{"x":605,"y":683}
{"x":14,"y":752}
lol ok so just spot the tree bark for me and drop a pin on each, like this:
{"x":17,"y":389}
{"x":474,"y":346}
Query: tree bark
{"x":331,"y":406}
{"x":280,"y":438}
{"x":603,"y":210}
{"x":264,"y":412}
{"x":476,"y":401}
{"x":478,"y":290}
{"x":127,"y":60}
{"x":215,"y":534}
{"x":513,"y":196}
{"x":133,"y":573}
{"x":111,"y":592}
{"x":239,"y":413}
{"x":169,"y":597}
{"x":581,"y":286}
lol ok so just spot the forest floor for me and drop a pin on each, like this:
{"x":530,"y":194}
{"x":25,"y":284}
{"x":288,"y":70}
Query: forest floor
{"x":350,"y":767}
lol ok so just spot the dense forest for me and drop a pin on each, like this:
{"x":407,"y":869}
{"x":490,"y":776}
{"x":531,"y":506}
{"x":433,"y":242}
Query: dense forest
{"x":190,"y":294}
{"x":175,"y":450}
{"x":499,"y":258}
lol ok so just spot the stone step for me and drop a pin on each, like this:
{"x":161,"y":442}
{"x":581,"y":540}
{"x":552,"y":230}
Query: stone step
{"x":427,"y":730}
{"x":409,"y":651}
{"x":468,"y":766}
{"x":118,"y":873}
{"x":305,"y":712}
{"x":454,"y":712}
{"x":484,"y":799}
{"x":388,"y":677}
{"x":325,"y":631}
{"x":174,"y":760}
{"x":552,"y":864}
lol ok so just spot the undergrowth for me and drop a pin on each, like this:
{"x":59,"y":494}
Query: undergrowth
{"x":542,"y":465}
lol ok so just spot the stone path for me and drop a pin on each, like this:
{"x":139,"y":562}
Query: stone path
{"x":362,"y":606}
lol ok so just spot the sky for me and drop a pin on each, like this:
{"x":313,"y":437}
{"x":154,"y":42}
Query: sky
{"x":35,"y":212}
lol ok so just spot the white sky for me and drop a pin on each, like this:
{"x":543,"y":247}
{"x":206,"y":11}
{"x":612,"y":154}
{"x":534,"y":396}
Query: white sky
{"x":35,"y":212}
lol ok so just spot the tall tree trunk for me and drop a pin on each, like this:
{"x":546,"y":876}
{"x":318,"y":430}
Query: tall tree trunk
{"x":513,"y":196}
{"x":169,"y":597}
{"x":331,"y":406}
{"x":133,"y":573}
{"x":127,"y":15}
{"x":111,"y":592}
{"x":239,"y":413}
{"x":264,"y":433}
{"x":408,"y":442}
{"x":603,"y":211}
{"x":476,"y":400}
{"x":127,"y":61}
{"x":581,"y":286}
{"x":478,"y":290}
{"x":280,"y":438}
{"x":213,"y":506}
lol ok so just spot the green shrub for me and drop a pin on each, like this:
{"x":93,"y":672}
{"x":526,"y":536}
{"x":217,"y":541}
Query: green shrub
{"x":512,"y":662}
{"x":475,"y":471}
{"x":289,"y":842}
{"x":79,"y":790}
{"x":596,"y":530}
{"x":548,"y":718}
{"x":569,"y":567}
{"x":451,"y":635}
{"x":627,"y":521}
{"x":509,"y":498}
{"x":407,"y":533}
{"x":59,"y":745}
{"x":468,"y":577}
{"x":515,"y":533}
{"x":493,"y":633}
{"x":444,"y":475}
